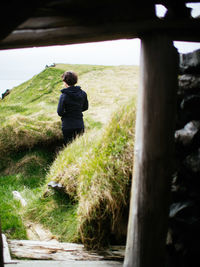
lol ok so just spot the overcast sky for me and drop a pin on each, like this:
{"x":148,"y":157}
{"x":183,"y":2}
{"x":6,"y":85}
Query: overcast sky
{"x":18,"y":65}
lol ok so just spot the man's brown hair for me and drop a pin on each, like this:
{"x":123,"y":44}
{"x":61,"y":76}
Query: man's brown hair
{"x":70,"y":77}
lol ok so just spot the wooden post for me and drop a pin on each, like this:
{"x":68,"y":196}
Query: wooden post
{"x":150,"y":193}
{"x":1,"y":249}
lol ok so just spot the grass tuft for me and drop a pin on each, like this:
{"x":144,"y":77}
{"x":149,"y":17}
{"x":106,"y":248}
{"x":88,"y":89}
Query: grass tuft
{"x":104,"y":181}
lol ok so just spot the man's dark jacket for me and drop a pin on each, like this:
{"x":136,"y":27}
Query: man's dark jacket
{"x":73,"y":101}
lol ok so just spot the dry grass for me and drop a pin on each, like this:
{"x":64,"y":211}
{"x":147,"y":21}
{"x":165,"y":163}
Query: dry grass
{"x":104,"y":181}
{"x":96,"y":172}
{"x":95,"y":169}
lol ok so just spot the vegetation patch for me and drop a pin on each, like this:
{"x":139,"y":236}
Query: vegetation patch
{"x":10,"y":209}
{"x":104,"y":182}
{"x":95,"y":170}
{"x":56,"y":213}
{"x":97,"y":175}
{"x":28,"y":114}
{"x":24,"y":173}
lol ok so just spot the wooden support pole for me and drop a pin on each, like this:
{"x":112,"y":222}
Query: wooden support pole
{"x":154,"y":144}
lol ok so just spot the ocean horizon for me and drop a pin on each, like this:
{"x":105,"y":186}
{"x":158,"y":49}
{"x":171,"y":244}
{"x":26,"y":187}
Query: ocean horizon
{"x":9,"y":84}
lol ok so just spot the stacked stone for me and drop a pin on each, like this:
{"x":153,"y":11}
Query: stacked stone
{"x":184,"y":232}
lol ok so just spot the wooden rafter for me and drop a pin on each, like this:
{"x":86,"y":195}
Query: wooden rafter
{"x":66,"y":22}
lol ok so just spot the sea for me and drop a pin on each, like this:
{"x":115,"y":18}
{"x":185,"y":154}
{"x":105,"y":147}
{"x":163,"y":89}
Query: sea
{"x":11,"y":76}
{"x":9,"y":84}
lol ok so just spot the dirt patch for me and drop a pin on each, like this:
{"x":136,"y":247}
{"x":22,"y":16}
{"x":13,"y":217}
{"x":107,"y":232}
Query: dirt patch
{"x":36,"y":231}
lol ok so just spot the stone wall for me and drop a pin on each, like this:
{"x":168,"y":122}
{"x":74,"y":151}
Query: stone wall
{"x":183,"y":240}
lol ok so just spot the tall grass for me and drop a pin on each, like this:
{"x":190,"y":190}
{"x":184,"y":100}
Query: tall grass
{"x":96,"y":174}
{"x":95,"y":169}
{"x":104,"y":181}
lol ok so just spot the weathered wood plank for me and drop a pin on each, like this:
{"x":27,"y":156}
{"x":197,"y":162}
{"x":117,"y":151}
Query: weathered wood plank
{"x":180,"y":29}
{"x":1,"y":249}
{"x":153,"y":153}
{"x":42,"y":250}
{"x":6,"y":252}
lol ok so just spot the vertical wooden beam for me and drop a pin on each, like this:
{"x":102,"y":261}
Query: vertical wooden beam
{"x":1,"y":249}
{"x":153,"y":153}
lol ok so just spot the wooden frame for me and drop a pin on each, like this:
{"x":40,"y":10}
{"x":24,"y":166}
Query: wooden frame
{"x":1,"y":249}
{"x":153,"y":153}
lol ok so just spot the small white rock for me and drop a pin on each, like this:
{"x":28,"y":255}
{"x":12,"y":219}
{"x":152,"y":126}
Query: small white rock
{"x":18,"y":196}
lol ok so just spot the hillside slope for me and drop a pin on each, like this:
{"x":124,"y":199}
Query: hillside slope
{"x":95,"y":174}
{"x":28,"y":115}
{"x":30,"y":128}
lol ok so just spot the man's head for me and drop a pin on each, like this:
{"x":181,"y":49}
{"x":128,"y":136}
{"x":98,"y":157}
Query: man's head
{"x":70,"y":77}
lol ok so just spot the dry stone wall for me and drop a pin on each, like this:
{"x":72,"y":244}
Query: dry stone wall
{"x":183,"y":242}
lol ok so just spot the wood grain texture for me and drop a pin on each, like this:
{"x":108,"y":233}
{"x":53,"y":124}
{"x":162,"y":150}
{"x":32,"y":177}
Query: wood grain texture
{"x":50,"y":22}
{"x":42,"y":250}
{"x":1,"y":249}
{"x":64,"y":30}
{"x":153,"y":153}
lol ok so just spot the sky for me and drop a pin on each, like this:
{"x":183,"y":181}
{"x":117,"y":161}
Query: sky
{"x":19,"y":65}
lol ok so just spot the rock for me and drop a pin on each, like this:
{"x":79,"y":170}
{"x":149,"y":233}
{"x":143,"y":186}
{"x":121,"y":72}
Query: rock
{"x":188,"y":82}
{"x":184,"y":215}
{"x":184,"y":222}
{"x":192,"y":162}
{"x":177,"y":208}
{"x":186,"y":135}
{"x":7,"y":92}
{"x":36,"y":231}
{"x":18,"y":196}
{"x":169,"y":237}
{"x":56,"y":186}
{"x":196,"y":139}
{"x":190,"y":106}
{"x":191,"y":102}
{"x":190,"y":62}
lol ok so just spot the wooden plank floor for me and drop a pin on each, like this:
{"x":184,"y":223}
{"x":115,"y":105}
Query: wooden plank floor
{"x":66,"y":264}
{"x":51,"y":250}
{"x":52,"y":253}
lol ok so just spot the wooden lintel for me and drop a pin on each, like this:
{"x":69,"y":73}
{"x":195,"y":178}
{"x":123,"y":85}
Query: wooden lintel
{"x":154,"y":144}
{"x":65,"y":32}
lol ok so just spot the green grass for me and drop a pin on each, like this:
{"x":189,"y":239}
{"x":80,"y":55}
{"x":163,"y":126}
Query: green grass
{"x":104,"y":181}
{"x":95,"y":170}
{"x":56,"y":213}
{"x":28,"y":114}
{"x":25,"y":173}
{"x":11,"y":219}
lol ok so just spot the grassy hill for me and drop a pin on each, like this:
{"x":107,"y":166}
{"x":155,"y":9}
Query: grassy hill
{"x":95,"y":170}
{"x":28,"y":115}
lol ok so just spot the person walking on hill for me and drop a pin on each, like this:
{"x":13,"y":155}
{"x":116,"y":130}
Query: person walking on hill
{"x":73,"y":101}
